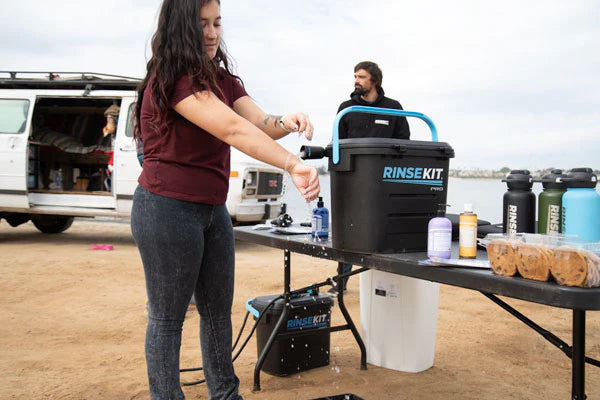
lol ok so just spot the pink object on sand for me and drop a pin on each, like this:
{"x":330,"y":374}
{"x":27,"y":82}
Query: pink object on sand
{"x":102,"y":247}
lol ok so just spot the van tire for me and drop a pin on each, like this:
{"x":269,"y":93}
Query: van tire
{"x":15,"y":219}
{"x":52,"y":223}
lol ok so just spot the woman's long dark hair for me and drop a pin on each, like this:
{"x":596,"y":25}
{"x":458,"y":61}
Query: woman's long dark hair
{"x":178,"y":49}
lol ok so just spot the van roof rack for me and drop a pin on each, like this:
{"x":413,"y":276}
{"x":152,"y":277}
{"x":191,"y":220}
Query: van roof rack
{"x":65,"y":80}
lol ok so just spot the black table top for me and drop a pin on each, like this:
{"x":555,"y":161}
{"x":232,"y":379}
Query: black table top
{"x":407,"y":264}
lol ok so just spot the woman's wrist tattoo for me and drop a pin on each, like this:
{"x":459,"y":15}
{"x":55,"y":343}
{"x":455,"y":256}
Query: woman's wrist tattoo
{"x":275,"y":118}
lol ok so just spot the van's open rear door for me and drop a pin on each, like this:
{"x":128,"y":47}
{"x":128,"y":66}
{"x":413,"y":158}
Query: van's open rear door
{"x":15,"y":124}
{"x":127,"y":168}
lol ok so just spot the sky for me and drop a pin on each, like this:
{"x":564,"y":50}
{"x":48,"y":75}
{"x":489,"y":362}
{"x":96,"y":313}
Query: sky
{"x":507,"y":83}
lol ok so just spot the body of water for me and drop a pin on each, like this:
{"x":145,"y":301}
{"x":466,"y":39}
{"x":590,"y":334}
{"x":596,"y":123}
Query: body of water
{"x":485,"y":195}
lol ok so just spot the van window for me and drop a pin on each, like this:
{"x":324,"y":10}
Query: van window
{"x":129,"y":130}
{"x":13,"y":115}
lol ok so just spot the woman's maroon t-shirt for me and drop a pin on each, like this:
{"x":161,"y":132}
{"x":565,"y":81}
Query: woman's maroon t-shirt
{"x":186,"y":162}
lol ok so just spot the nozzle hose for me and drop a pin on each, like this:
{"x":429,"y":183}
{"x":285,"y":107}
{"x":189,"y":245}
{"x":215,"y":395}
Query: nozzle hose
{"x":312,"y":152}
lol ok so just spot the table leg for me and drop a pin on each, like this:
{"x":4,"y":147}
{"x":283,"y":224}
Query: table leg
{"x":340,"y":298}
{"x":578,"y":360}
{"x":284,"y":313}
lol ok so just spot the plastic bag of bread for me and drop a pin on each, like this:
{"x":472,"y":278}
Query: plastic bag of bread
{"x":534,"y":261}
{"x":575,"y":266}
{"x":502,"y":253}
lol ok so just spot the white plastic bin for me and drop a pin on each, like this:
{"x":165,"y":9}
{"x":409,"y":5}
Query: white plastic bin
{"x":399,"y":319}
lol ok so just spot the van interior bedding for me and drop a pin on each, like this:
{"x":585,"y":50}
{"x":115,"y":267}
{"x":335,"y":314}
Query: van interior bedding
{"x":67,"y":144}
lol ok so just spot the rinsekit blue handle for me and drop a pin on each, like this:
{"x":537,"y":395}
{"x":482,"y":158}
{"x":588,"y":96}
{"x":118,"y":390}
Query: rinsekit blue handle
{"x":375,"y":110}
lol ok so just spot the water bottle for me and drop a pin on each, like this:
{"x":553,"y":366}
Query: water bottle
{"x":550,"y":202}
{"x":518,"y":212}
{"x":59,"y":179}
{"x":581,"y":205}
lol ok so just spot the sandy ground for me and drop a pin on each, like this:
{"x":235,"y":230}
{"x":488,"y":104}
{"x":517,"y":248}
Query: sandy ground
{"x":72,"y":327}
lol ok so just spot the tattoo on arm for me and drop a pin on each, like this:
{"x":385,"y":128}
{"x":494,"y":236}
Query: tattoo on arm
{"x":275,"y":118}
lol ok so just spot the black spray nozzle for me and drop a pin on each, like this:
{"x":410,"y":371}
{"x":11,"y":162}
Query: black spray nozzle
{"x":320,"y":202}
{"x":312,"y":152}
{"x":442,"y":209}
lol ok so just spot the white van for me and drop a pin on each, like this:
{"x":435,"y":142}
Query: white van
{"x":57,"y":164}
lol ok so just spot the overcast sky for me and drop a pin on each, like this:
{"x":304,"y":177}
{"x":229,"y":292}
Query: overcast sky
{"x":507,"y":83}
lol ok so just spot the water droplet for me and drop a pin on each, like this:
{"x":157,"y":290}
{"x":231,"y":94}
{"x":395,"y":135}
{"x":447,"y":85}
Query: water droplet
{"x":284,"y":184}
{"x":306,"y":345}
{"x":292,"y":345}
{"x":337,"y":348}
{"x":337,"y":369}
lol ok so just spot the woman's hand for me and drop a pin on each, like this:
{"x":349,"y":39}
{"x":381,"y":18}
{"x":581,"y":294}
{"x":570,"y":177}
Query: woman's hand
{"x":305,"y":177}
{"x":299,"y":122}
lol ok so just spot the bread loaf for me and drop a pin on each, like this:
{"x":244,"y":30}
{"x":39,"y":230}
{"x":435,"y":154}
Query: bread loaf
{"x":502,"y":256}
{"x":534,"y":261}
{"x":573,"y":266}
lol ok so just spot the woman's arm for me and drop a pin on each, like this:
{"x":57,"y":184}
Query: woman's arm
{"x":269,"y":124}
{"x":205,"y":110}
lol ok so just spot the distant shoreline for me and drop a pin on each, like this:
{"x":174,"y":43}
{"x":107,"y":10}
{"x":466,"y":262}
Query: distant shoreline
{"x":477,"y":177}
{"x":497,"y":174}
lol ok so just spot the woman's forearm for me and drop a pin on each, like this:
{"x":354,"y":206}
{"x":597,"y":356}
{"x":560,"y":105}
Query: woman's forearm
{"x":206,"y":111}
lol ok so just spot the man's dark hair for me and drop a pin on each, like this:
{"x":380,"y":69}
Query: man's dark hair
{"x":373,"y":69}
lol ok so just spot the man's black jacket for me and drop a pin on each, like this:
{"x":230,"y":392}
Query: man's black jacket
{"x":359,"y":125}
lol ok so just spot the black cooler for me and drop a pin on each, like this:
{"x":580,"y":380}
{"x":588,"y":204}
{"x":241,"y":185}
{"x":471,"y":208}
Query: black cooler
{"x":385,"y":191}
{"x":294,"y":353}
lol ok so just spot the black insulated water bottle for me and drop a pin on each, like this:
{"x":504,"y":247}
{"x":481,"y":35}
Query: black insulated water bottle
{"x":518,"y":213}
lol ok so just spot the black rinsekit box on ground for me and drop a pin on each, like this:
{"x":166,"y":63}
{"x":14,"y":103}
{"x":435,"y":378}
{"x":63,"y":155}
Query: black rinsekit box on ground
{"x":296,"y":353}
{"x":385,"y":191}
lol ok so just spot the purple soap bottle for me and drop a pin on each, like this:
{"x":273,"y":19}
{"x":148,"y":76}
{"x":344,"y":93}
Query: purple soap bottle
{"x":439,"y":235}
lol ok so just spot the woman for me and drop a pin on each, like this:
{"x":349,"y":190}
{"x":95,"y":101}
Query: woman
{"x":189,"y":112}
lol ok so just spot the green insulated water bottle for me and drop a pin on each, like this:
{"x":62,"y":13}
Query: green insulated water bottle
{"x":550,"y":202}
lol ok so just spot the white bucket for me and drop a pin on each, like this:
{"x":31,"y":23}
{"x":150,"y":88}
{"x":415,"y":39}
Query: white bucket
{"x":399,"y":319}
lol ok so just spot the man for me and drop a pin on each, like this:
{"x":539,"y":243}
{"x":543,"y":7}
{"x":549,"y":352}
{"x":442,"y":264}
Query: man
{"x":368,"y":92}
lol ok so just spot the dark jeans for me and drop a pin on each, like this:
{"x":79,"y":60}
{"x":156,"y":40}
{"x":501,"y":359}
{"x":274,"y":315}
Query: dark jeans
{"x":186,"y":248}
{"x":347,"y":268}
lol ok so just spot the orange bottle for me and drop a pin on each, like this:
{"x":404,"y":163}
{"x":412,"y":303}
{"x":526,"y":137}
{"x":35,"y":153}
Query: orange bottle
{"x":467,"y":233}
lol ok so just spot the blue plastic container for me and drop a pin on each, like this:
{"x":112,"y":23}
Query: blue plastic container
{"x":581,"y":205}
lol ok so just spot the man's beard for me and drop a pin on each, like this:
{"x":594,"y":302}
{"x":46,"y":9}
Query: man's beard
{"x":359,"y":90}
